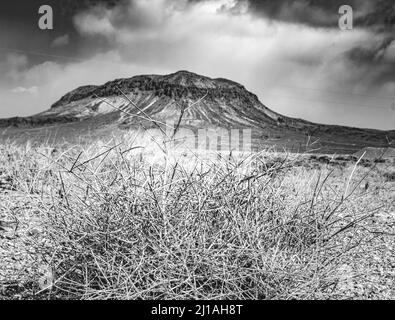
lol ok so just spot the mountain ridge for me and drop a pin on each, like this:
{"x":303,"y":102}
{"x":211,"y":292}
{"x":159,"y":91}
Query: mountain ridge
{"x":197,"y":98}
{"x":195,"y":101}
{"x":180,"y":79}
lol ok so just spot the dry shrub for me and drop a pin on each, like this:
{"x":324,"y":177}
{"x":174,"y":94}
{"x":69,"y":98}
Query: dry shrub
{"x":120,"y":228}
{"x":389,"y":176}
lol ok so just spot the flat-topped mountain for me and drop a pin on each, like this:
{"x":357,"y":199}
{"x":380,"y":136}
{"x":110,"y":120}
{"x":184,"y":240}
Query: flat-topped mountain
{"x":193,"y":98}
{"x":195,"y":101}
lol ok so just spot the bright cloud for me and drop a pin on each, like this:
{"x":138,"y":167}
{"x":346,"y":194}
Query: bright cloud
{"x":31,"y":90}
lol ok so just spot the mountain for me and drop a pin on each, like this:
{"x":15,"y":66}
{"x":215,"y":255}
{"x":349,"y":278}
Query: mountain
{"x":193,"y":101}
{"x":200,"y":100}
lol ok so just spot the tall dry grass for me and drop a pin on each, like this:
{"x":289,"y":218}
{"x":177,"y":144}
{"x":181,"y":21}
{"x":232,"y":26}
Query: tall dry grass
{"x":116,"y":226}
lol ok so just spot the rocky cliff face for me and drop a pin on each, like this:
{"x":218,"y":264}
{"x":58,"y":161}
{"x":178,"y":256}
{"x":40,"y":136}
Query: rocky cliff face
{"x":183,"y":96}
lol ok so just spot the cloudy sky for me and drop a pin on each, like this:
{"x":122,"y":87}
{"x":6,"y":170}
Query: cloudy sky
{"x":291,"y":53}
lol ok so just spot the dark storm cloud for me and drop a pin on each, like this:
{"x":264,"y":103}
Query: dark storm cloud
{"x":375,"y":16}
{"x":310,"y":12}
{"x":70,"y":7}
{"x":19,"y":32}
{"x":379,"y":15}
{"x":373,"y":54}
{"x":376,"y":60}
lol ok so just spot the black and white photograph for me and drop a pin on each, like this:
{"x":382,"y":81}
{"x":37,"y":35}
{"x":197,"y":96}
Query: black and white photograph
{"x":197,"y":150}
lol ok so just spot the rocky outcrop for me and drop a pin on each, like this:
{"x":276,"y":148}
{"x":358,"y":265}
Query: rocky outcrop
{"x":186,"y":94}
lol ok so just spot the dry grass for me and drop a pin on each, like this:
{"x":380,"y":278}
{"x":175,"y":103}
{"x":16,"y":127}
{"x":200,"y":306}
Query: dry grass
{"x":113,"y":225}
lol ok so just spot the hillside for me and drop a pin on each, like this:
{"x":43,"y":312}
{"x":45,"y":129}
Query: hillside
{"x":192,"y":101}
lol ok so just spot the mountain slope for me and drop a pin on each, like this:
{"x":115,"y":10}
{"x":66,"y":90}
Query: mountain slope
{"x":199,"y":99}
{"x":195,"y":101}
